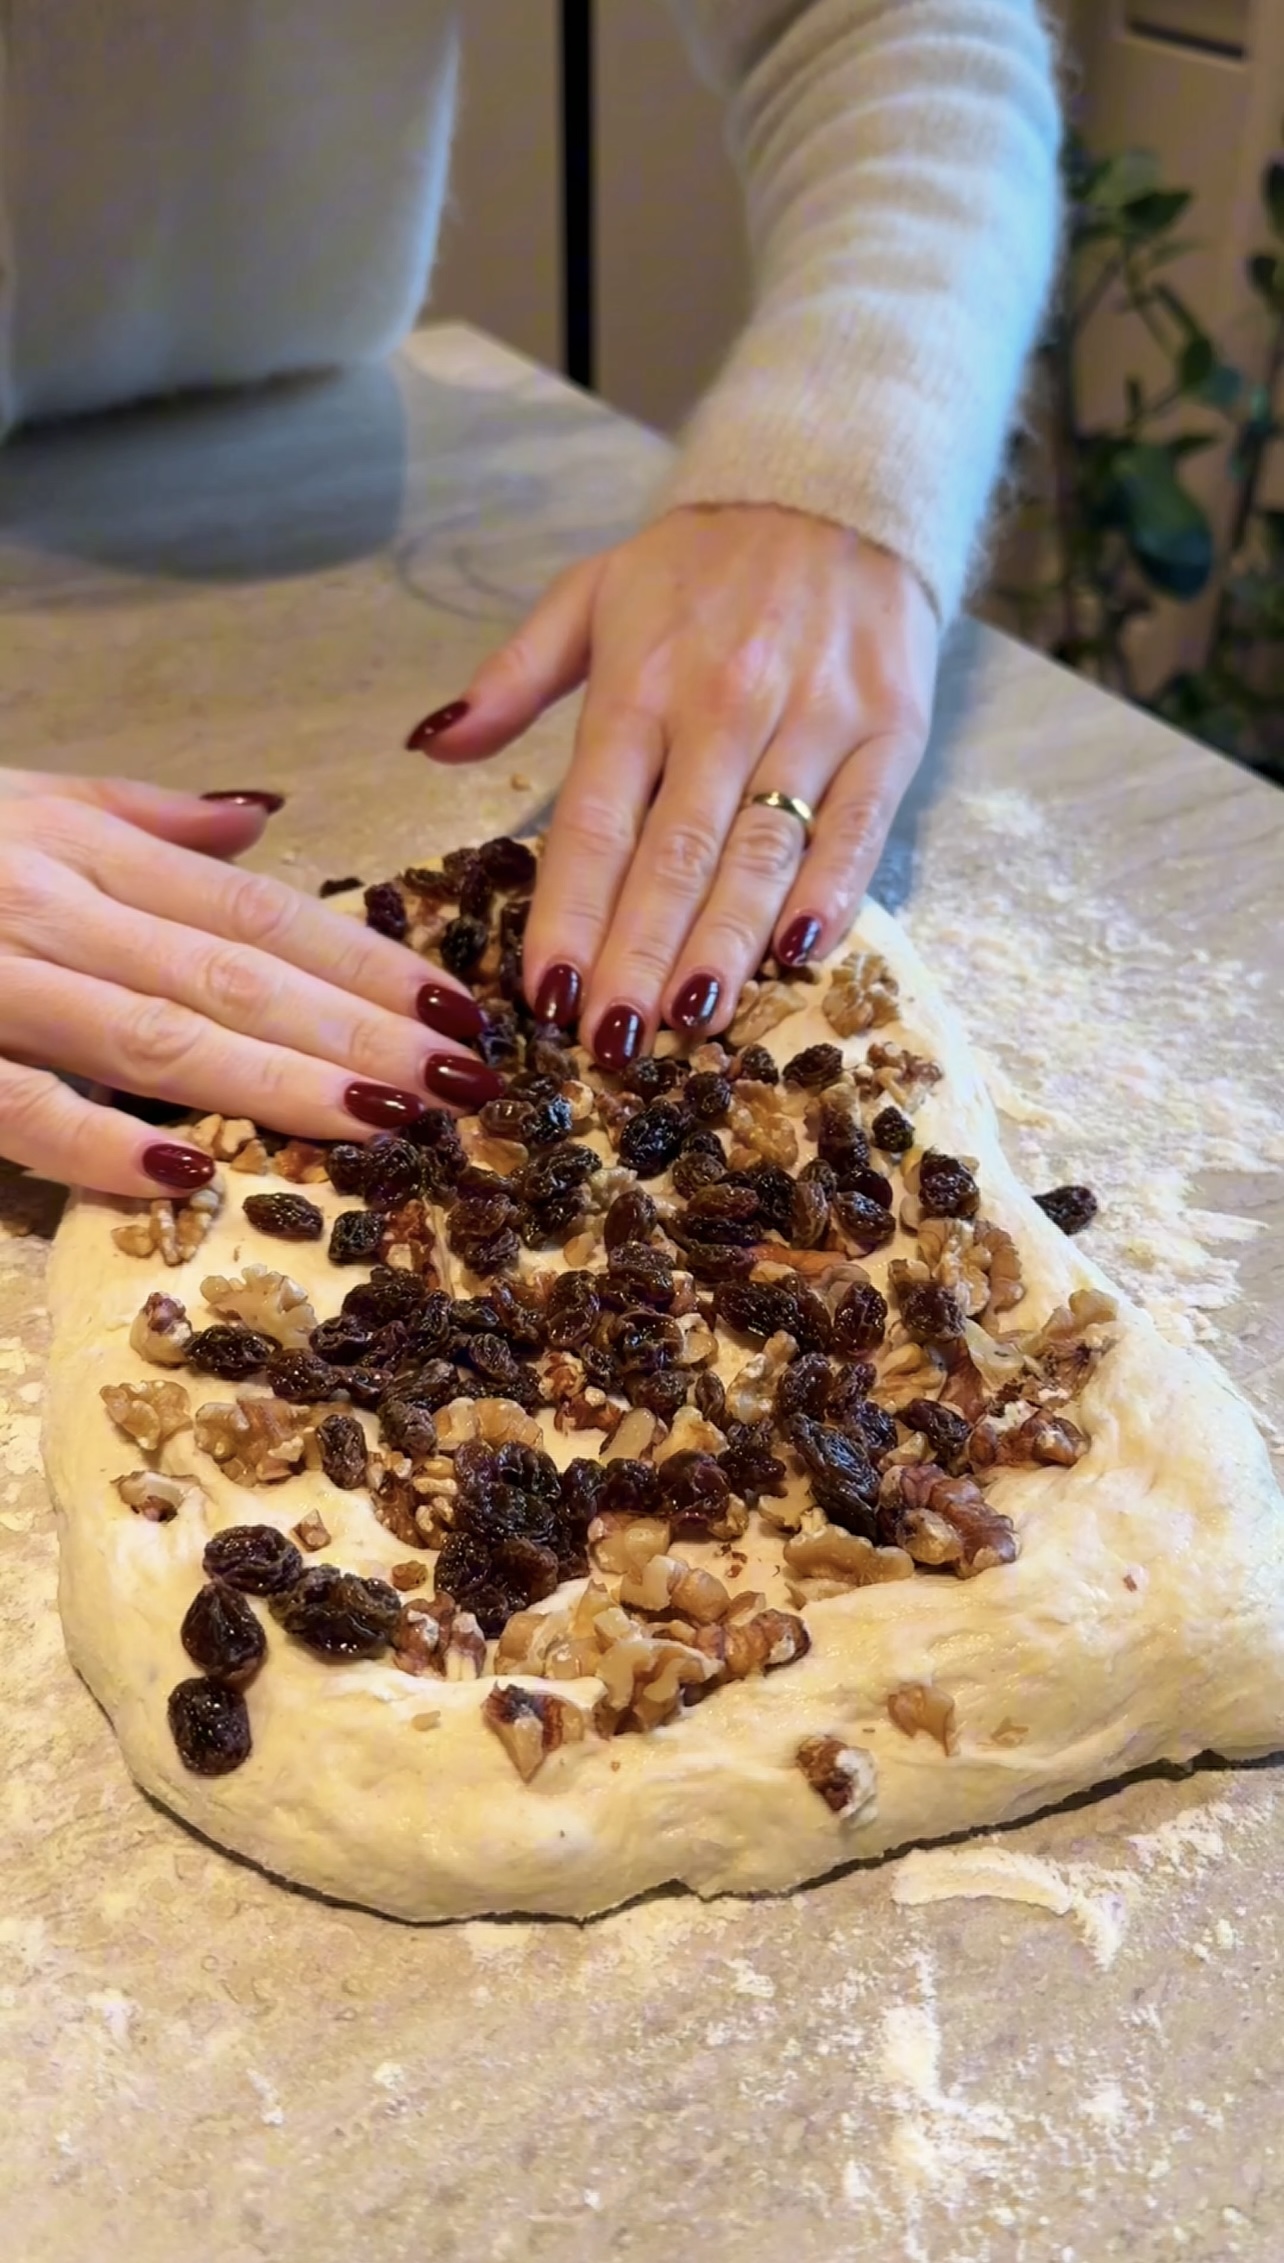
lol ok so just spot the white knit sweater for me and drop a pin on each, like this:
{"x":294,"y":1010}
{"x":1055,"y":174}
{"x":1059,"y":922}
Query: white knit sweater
{"x":198,"y":192}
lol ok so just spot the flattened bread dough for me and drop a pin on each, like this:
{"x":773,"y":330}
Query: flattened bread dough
{"x":1143,"y":1620}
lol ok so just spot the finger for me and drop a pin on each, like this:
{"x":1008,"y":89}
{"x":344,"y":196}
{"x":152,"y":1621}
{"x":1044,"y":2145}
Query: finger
{"x":544,"y":661}
{"x":729,"y":939}
{"x":246,"y":990}
{"x":851,"y":830}
{"x":51,"y":1129}
{"x":163,"y":1051}
{"x":619,"y":755}
{"x":220,"y":824}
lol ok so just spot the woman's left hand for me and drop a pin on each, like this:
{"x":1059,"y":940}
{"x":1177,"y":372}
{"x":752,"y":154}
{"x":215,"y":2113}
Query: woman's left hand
{"x":728,"y":652}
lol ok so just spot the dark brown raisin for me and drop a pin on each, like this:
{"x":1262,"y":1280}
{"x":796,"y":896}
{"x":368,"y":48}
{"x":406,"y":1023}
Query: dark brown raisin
{"x":389,"y":1294}
{"x":946,"y":1431}
{"x":715,"y":1210}
{"x":641,"y":1341}
{"x":946,"y":1187}
{"x":230,"y":1353}
{"x":290,"y":1216}
{"x":762,"y":1308}
{"x":210,"y":1725}
{"x":456,"y":865}
{"x":707,"y":1095}
{"x":557,"y":1173}
{"x":573,"y":1311}
{"x":394,"y":1171}
{"x":301,"y":1378}
{"x":815,"y":1066}
{"x":386,"y":910}
{"x":506,"y":1118}
{"x":365,"y":1386}
{"x":631,"y":1218}
{"x":749,"y":1464}
{"x":548,"y":1121}
{"x":651,"y":1078}
{"x":803,"y":1388}
{"x":431,"y":1385}
{"x":341,"y":1442}
{"x":476,"y":893}
{"x":222,"y":1635}
{"x":872,"y":1185}
{"x":698,"y":1167}
{"x":1070,"y":1207}
{"x":348,"y":1167}
{"x":810,"y":1215}
{"x":581,"y":1482}
{"x":929,"y":1313}
{"x":866,"y":1224}
{"x":630,"y":1488}
{"x":717,"y":1261}
{"x":775,"y":1191}
{"x":860,"y":1320}
{"x":545,"y":1057}
{"x":757,"y":1064}
{"x":892,"y":1131}
{"x":498,"y":1042}
{"x":840,"y":1139}
{"x":843,"y":1482}
{"x":339,"y":1614}
{"x":256,"y":1558}
{"x":850,"y":1386}
{"x":354,"y":1237}
{"x":519,"y":1314}
{"x":477,"y":1215}
{"x":638,"y":1274}
{"x":462,"y":945}
{"x":341,"y":1342}
{"x":872,"y":1423}
{"x":694,"y":1487}
{"x":339,"y":887}
{"x":508,"y":863}
{"x":664,"y":1392}
{"x":820,"y":1174}
{"x":652,"y":1140}
{"x":710,"y":1397}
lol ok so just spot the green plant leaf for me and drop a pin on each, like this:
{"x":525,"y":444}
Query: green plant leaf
{"x":1120,"y":180}
{"x":1150,"y":215}
{"x":1273,"y":195}
{"x":1266,"y":274}
{"x":1166,"y":530}
{"x":1222,"y":387}
{"x":1136,"y":400}
{"x":1196,"y":362}
{"x":1189,"y":444}
{"x":1176,"y":306}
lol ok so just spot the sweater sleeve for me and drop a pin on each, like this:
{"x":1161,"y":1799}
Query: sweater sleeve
{"x":899,"y":161}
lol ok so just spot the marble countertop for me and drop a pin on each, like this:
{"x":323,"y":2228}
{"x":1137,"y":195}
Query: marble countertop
{"x":197,"y":2062}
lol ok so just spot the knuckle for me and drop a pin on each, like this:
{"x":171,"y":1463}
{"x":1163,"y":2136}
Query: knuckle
{"x":644,"y":969}
{"x":732,"y":938}
{"x":367,"y":1048}
{"x":742,"y":683}
{"x":28,"y":1100}
{"x":156,"y":1036}
{"x":856,"y":825}
{"x":766,"y":848}
{"x":261,"y":910}
{"x":595,"y":827}
{"x":234,"y":985}
{"x":27,"y":891}
{"x":686,"y":856}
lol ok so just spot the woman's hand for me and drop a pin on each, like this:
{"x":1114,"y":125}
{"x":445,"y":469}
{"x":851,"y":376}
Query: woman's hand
{"x":131,"y":956}
{"x":728,"y":652}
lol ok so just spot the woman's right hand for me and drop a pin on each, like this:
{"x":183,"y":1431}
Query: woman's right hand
{"x":131,"y":955}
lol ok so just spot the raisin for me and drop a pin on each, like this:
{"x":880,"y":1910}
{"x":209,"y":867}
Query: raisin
{"x":762,"y":1309}
{"x":581,"y":1483}
{"x":365,"y":1386}
{"x":638,"y":1274}
{"x":505,"y":1118}
{"x":354,"y":1237}
{"x":631,"y":1488}
{"x":339,"y":887}
{"x":809,"y":1218}
{"x":849,"y":1388}
{"x":707,"y":1095}
{"x":803,"y":1388}
{"x":664,"y":1392}
{"x":532,"y":1469}
{"x":341,"y":1342}
{"x":865,"y":1223}
{"x":230,"y":1353}
{"x":497,"y":1042}
{"x":929,"y":1313}
{"x":1070,"y":1207}
{"x":435,"y":886}
{"x":872,"y":1185}
{"x":222,"y":1635}
{"x":557,"y":1173}
{"x":694,"y":1487}
{"x":493,"y":1580}
{"x":462,"y":944}
{"x":815,"y":1066}
{"x":698,"y":1167}
{"x":210,"y":1725}
{"x":386,"y":910}
{"x":255,"y":1558}
{"x":507,"y":863}
{"x":389,"y":1294}
{"x":651,"y":1078}
{"x":892,"y":1131}
{"x":775,"y":1191}
{"x":860,"y":1320}
{"x":496,"y":1360}
{"x":757,"y":1064}
{"x":348,"y":1167}
{"x":394,"y":1171}
{"x":840,"y":1139}
{"x":572,"y":1313}
{"x":519,"y":1318}
{"x":289,"y":1215}
{"x":725,"y":1212}
{"x":641,"y":1341}
{"x":456,"y":865}
{"x":718,"y":1261}
{"x":843,"y":1482}
{"x":631,"y":1218}
{"x":437,"y":1133}
{"x":494,"y":1255}
{"x":301,"y":1378}
{"x":476,"y":1216}
{"x":821,"y":1174}
{"x":710,"y":1396}
{"x":946,"y":1431}
{"x":653,"y":1139}
{"x":433,"y":1385}
{"x":874,"y":1424}
{"x":476,"y":894}
{"x":750,"y":1467}
{"x":341,"y":1442}
{"x":339,"y":1614}
{"x":548,"y":1122}
{"x":946,"y":1187}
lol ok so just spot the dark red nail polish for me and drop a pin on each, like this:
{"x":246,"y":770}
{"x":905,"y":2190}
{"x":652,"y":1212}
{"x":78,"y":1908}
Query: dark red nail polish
{"x":432,"y":726}
{"x":183,"y":1168}
{"x":799,"y":940}
{"x":382,"y":1105}
{"x":558,"y":998}
{"x":696,"y":1002}
{"x":463,"y":1083}
{"x":617,"y":1037}
{"x":452,"y":1012}
{"x":247,"y":797}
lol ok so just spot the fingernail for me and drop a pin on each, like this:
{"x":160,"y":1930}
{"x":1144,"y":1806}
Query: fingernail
{"x":696,"y":1002}
{"x":180,"y":1167}
{"x":382,"y":1105}
{"x":799,"y":940}
{"x":465,"y":1084}
{"x":247,"y":797}
{"x":618,"y":1036}
{"x":432,"y":726}
{"x":559,"y":994}
{"x":451,"y":1012}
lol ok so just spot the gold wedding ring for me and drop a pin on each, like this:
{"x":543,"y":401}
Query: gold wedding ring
{"x":791,"y":805}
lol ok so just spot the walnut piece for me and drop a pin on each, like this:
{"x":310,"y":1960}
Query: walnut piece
{"x":944,"y":1520}
{"x":831,"y":1562}
{"x":761,"y":1007}
{"x":256,"y":1441}
{"x":921,"y":1706}
{"x":312,"y":1532}
{"x":644,"y":1676}
{"x":634,"y":1436}
{"x":760,"y":1129}
{"x":149,"y":1413}
{"x":843,"y":1774}
{"x":751,"y":1394}
{"x":975,"y":1260}
{"x":300,"y":1162}
{"x":744,"y":1645}
{"x":862,"y":993}
{"x":623,"y":1543}
{"x":902,"y":1075}
{"x":406,"y":1577}
{"x":1025,"y":1434}
{"x":161,"y":1331}
{"x":690,"y":1433}
{"x":158,"y":1498}
{"x":265,"y":1300}
{"x":435,"y":1637}
{"x":223,"y":1137}
{"x":666,"y":1583}
{"x":172,"y":1230}
{"x":530,"y":1724}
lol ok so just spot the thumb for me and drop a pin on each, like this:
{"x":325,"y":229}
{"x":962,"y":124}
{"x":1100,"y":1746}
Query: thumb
{"x":218,"y":827}
{"x":546,"y":658}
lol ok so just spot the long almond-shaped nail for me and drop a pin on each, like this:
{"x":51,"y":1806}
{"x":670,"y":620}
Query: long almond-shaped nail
{"x":247,"y":797}
{"x":558,"y":997}
{"x":695,"y":1003}
{"x":182,"y":1168}
{"x":432,"y":726}
{"x":382,"y":1105}
{"x":618,"y":1036}
{"x":799,"y":940}
{"x":450,"y":1012}
{"x":465,"y":1084}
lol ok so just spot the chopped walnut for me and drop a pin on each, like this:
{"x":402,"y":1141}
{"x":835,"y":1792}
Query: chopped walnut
{"x":751,"y":1394}
{"x":502,"y":1422}
{"x":256,"y":1441}
{"x":409,"y":1241}
{"x":590,"y":1409}
{"x":456,"y":1424}
{"x":149,"y":1413}
{"x":253,"y":1159}
{"x":902,"y":1075}
{"x":644,"y":1677}
{"x":634,"y":1437}
{"x":158,"y":1498}
{"x":559,"y":1645}
{"x":1070,"y":1344}
{"x":223,"y":1137}
{"x":435,"y":1637}
{"x":561,"y":1376}
{"x":843,"y":1774}
{"x":312,"y":1532}
{"x":267,"y":1301}
{"x":922,"y":1706}
{"x":623,"y":1543}
{"x":581,"y":1099}
{"x":831,"y":1562}
{"x":161,"y":1331}
{"x":300,"y":1162}
{"x":172,"y":1230}
{"x":393,"y":1497}
{"x":1022,"y":1433}
{"x":530,"y":1724}
{"x":741,"y":1645}
{"x":709,"y":1059}
{"x":666,"y":1583}
{"x":699,"y":1343}
{"x":690,"y":1433}
{"x":760,"y":1129}
{"x":910,"y":1371}
{"x":975,"y":1260}
{"x":862,"y":993}
{"x":761,"y":1007}
{"x":944,"y":1520}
